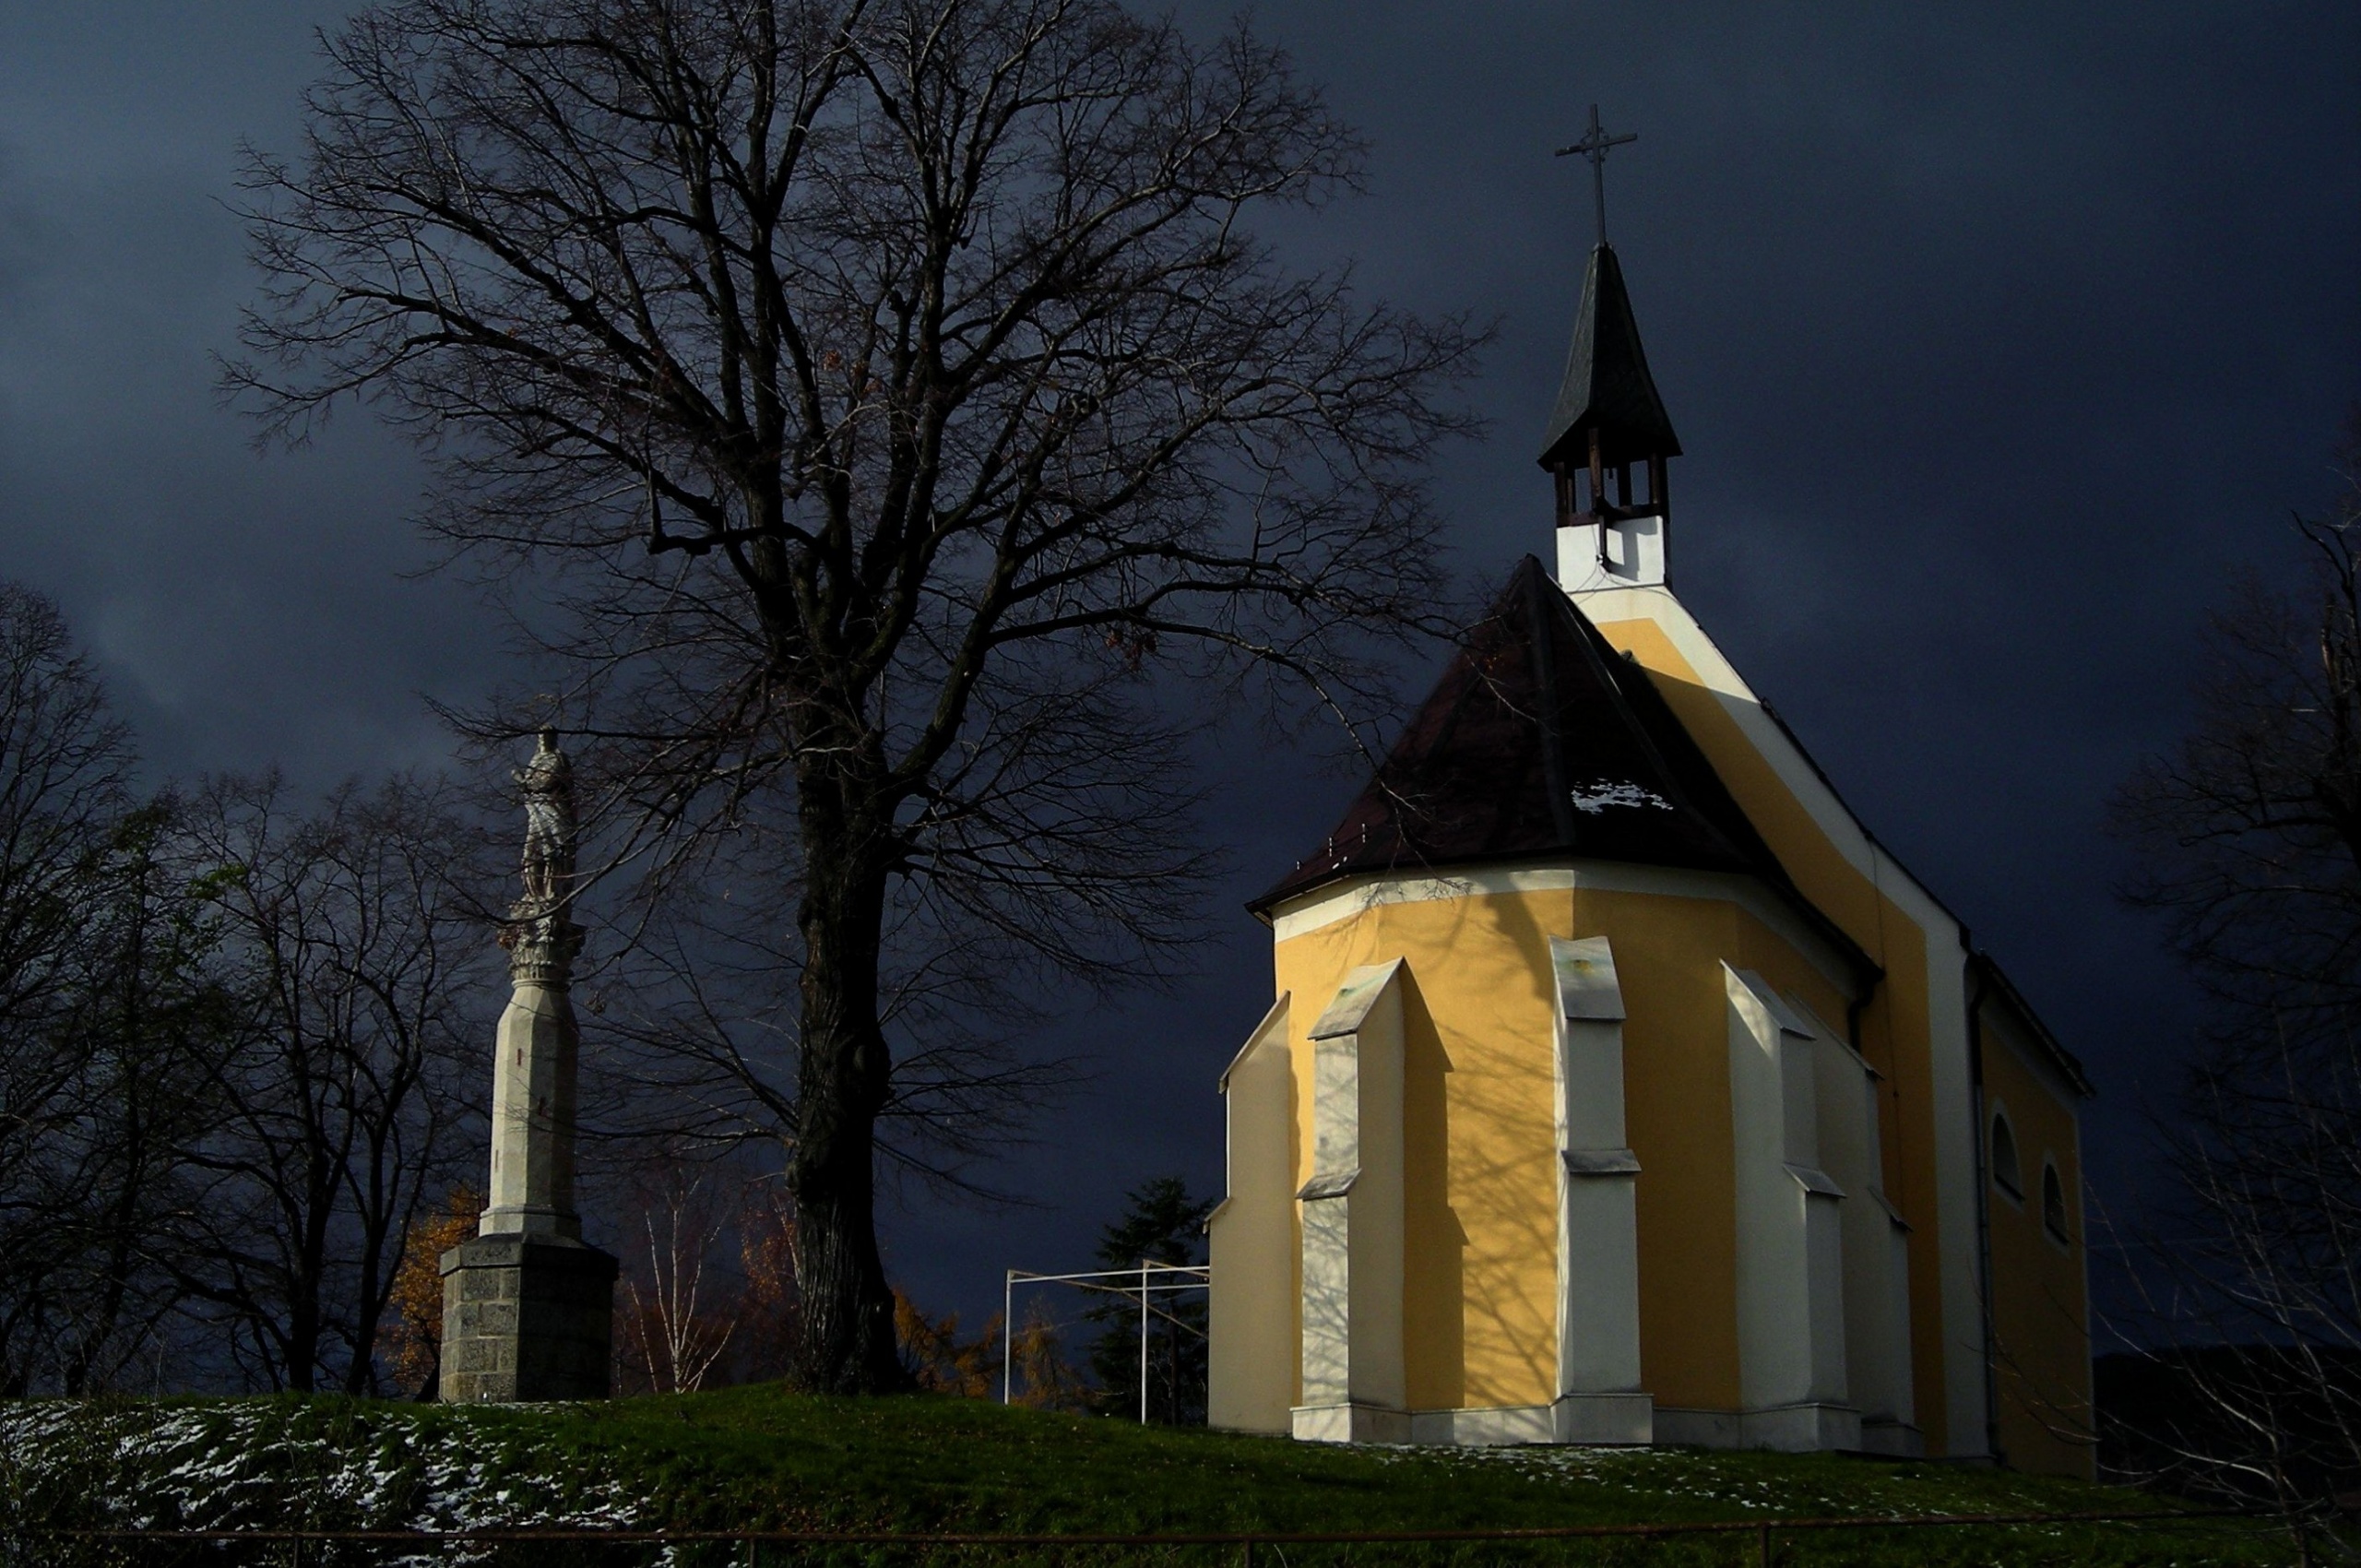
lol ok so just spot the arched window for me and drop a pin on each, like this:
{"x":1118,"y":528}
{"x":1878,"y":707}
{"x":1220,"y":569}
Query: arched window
{"x":2053,"y":1202}
{"x":2006,"y":1172}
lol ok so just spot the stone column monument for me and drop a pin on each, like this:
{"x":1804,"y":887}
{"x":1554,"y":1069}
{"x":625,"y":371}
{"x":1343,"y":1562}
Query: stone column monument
{"x":528,"y":1308}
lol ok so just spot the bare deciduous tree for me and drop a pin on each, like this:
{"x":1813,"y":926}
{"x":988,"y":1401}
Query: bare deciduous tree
{"x":679,"y":1322}
{"x":63,"y":798}
{"x":238,"y":1037}
{"x":910,"y":425}
{"x":63,"y":764}
{"x":358,"y":952}
{"x":149,"y":1016}
{"x":2251,"y":835}
{"x":707,"y":1293}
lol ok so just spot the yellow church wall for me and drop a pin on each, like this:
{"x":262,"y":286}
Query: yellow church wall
{"x":1480,"y":1240}
{"x":1896,"y":1040}
{"x":1480,"y":1182}
{"x":1676,"y":1114}
{"x":1669,"y":953}
{"x":1895,"y":1029}
{"x":2043,"y":1361}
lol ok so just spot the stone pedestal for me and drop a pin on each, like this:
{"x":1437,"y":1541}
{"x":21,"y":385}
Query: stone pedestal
{"x":526,"y":1319}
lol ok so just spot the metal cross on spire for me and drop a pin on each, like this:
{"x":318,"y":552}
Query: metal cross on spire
{"x":1594,"y":145}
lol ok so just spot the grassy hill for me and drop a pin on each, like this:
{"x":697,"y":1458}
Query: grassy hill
{"x":761,"y":1458}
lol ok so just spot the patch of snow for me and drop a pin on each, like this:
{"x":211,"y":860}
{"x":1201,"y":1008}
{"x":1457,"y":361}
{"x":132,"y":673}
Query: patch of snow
{"x":229,"y":1464}
{"x":1595,"y":797}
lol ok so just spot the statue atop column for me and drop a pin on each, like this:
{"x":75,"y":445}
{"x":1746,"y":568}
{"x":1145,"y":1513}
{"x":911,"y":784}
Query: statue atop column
{"x":528,"y":1309}
{"x":540,"y":936}
{"x":547,"y":783}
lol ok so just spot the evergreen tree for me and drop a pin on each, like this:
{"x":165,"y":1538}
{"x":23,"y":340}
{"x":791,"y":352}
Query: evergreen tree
{"x":1161,"y":1223}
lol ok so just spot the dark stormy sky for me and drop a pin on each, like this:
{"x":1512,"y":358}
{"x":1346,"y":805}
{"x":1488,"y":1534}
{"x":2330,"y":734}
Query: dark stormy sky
{"x":2001,"y":340}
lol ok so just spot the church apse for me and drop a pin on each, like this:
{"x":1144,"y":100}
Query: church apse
{"x":1569,"y":1209}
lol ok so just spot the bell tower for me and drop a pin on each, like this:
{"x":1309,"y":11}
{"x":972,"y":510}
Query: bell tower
{"x":1610,"y":440}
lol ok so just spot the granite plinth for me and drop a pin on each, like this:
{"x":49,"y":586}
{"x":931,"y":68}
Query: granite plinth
{"x":526,"y":1318}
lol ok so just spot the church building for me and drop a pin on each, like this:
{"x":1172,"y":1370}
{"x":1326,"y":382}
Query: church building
{"x":1620,"y":1087}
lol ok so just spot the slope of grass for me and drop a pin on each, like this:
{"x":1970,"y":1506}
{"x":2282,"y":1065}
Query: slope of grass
{"x":758,"y":1458}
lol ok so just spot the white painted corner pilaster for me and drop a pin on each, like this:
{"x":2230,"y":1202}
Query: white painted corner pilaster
{"x":1790,"y":1237}
{"x":1354,"y":1385}
{"x":1599,"y":1396}
{"x":1250,"y":1357}
{"x":1876,"y":1244}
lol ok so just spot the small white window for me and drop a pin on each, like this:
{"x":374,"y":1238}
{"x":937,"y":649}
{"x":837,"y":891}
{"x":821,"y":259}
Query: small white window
{"x":2006,"y":1172}
{"x":2053,"y":1202}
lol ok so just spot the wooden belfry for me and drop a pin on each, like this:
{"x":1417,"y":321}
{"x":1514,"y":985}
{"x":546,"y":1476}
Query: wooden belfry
{"x":1609,"y":420}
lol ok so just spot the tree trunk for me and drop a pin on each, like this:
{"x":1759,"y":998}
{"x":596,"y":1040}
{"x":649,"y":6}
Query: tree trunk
{"x":847,"y":1342}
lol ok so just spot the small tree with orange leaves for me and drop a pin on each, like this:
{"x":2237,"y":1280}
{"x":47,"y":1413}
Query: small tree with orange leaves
{"x":938,"y":1359}
{"x":771,"y":1314}
{"x":1040,"y":1377}
{"x":413,"y":1341}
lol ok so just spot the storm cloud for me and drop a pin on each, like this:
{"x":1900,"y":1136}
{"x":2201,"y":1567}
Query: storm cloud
{"x":2001,"y":340}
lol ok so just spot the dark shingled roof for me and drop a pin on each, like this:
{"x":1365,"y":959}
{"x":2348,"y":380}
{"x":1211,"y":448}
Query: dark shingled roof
{"x":1540,"y":740}
{"x":1608,"y":384}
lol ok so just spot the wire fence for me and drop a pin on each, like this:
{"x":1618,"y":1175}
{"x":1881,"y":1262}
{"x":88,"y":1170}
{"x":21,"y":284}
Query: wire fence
{"x":1762,"y":1542}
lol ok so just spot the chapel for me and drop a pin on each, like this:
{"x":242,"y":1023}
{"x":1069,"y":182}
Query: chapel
{"x":1620,"y":1087}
